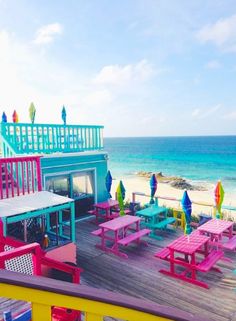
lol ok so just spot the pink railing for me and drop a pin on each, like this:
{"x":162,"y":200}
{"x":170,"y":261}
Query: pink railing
{"x":20,"y":176}
{"x":20,"y":249}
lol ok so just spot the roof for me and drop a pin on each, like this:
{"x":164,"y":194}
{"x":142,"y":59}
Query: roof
{"x":30,"y":202}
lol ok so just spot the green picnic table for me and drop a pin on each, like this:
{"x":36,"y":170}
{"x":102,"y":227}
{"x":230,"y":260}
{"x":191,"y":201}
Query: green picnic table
{"x":155,"y":218}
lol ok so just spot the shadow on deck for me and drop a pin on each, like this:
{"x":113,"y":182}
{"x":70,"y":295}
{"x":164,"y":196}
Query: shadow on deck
{"x":138,"y":276}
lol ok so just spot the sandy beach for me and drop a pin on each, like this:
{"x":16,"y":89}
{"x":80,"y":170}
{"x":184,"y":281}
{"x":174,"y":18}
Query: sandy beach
{"x":141,"y":185}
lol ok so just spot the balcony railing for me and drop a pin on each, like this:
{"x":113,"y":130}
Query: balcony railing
{"x":95,"y":303}
{"x":19,"y":176}
{"x":49,"y":138}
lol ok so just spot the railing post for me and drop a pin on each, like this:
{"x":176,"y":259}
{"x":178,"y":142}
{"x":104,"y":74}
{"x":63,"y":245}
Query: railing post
{"x":133,"y":197}
{"x":41,"y":312}
{"x":39,"y":177}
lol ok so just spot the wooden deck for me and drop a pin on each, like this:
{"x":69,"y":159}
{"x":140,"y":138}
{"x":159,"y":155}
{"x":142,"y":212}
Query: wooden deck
{"x":138,"y":276}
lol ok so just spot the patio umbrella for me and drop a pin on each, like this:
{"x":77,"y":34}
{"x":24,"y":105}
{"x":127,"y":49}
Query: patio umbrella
{"x":219,"y":197}
{"x":15,"y":117}
{"x":32,"y":112}
{"x":4,"y":117}
{"x":122,"y":190}
{"x":187,"y":208}
{"x":109,"y":183}
{"x":153,"y":185}
{"x":120,"y":199}
{"x":63,"y":115}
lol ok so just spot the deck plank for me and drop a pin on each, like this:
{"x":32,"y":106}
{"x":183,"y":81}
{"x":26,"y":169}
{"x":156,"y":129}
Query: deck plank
{"x":138,"y":276}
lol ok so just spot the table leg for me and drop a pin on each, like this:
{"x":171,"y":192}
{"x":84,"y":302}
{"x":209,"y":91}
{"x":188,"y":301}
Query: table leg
{"x":183,"y":276}
{"x":103,"y":238}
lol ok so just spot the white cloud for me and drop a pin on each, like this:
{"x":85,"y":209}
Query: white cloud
{"x":222,"y":33}
{"x":122,"y":75}
{"x":47,"y":33}
{"x":230,"y":116}
{"x":213,"y":64}
{"x":201,"y":113}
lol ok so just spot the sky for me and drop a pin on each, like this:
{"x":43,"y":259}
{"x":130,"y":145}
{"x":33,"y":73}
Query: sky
{"x":138,"y":67}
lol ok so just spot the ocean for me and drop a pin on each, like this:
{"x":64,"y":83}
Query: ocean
{"x":198,"y":159}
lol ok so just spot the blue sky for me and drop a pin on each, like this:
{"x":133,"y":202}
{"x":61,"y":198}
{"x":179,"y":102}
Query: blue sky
{"x":140,"y":68}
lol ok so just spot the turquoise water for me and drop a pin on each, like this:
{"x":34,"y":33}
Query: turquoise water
{"x":200,"y":159}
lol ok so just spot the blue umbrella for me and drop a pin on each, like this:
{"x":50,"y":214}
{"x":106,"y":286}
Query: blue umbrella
{"x":153,"y":185}
{"x":63,"y":115}
{"x":4,"y":117}
{"x":109,"y":183}
{"x":187,"y":208}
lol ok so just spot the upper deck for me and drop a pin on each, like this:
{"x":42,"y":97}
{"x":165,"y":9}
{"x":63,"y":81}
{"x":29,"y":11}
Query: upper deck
{"x":23,"y":138}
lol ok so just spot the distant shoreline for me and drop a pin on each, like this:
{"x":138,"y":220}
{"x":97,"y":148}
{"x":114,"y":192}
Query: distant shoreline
{"x":140,"y":184}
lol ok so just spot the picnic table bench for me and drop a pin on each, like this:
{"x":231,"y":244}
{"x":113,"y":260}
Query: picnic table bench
{"x":230,"y":244}
{"x":162,"y":224}
{"x":163,"y":254}
{"x":210,"y":261}
{"x":134,"y":236}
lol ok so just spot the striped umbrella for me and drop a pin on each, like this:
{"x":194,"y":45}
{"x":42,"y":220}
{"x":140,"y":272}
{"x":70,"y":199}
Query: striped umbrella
{"x":153,"y":186}
{"x":120,"y":199}
{"x":32,"y":112}
{"x":219,"y":198}
{"x":15,"y":117}
{"x":187,"y":208}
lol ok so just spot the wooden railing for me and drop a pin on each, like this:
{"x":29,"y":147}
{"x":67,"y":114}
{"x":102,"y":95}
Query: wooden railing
{"x":20,"y":176}
{"x":50,"y":138}
{"x":95,"y":303}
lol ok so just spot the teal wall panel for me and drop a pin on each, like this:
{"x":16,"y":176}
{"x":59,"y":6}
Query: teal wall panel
{"x":76,"y":162}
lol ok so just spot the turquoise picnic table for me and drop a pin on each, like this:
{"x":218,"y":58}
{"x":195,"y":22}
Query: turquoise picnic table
{"x":155,"y":218}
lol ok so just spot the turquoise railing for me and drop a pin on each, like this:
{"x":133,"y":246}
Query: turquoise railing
{"x":49,"y":138}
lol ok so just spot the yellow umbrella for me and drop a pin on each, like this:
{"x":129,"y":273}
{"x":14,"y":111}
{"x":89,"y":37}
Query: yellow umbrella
{"x":120,"y":199}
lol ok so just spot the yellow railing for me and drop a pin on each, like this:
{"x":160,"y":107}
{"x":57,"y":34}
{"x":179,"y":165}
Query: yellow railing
{"x":95,"y":303}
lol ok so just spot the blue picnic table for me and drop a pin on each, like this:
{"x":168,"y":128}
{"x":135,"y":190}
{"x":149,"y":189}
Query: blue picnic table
{"x":155,"y":218}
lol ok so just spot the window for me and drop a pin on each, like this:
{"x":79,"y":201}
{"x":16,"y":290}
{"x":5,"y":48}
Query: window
{"x":59,"y":185}
{"x":83,"y":184}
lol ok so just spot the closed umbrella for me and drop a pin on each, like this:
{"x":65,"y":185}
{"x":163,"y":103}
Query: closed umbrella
{"x":109,"y":183}
{"x":4,"y":117}
{"x":63,"y":115}
{"x":32,"y":112}
{"x":15,"y":117}
{"x":122,"y":190}
{"x":219,"y":198}
{"x":120,"y":199}
{"x":187,"y":208}
{"x":153,"y":186}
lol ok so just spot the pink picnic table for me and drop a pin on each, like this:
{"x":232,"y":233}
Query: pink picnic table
{"x":119,"y":227}
{"x":189,"y":246}
{"x":105,"y":206}
{"x":215,"y":229}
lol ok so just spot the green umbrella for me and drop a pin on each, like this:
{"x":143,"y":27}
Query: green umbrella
{"x":120,"y":199}
{"x":32,"y":112}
